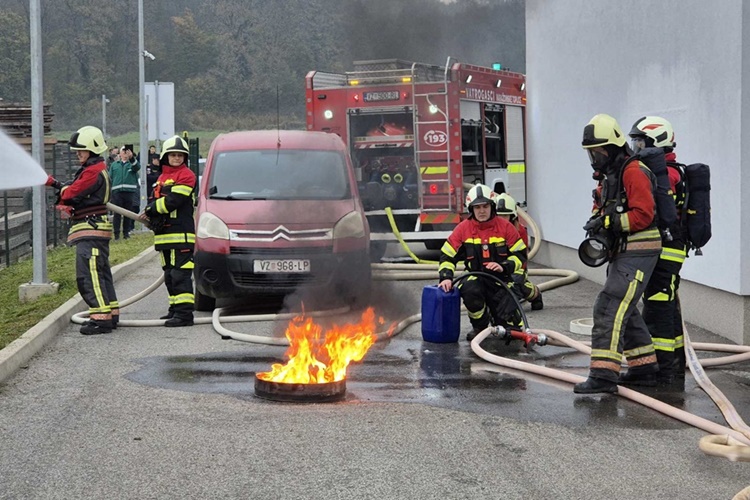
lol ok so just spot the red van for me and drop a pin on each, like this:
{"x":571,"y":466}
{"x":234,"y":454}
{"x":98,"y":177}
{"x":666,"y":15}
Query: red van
{"x":279,"y":211}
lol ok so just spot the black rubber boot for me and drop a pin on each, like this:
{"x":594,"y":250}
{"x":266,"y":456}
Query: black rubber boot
{"x":93,"y":327}
{"x":638,"y":379}
{"x":595,"y":385}
{"x":537,"y":304}
{"x":169,"y":315}
{"x":176,"y":321}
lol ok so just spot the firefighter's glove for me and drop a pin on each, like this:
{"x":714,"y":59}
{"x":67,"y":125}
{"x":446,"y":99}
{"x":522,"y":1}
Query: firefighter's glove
{"x":66,"y":211}
{"x":53,"y":183}
{"x":507,"y":271}
{"x":156,"y":223}
{"x":595,"y":225}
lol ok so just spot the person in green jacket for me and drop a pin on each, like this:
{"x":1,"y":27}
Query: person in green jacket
{"x":125,"y":189}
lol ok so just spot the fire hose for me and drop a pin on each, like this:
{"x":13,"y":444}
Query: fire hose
{"x":732,"y":443}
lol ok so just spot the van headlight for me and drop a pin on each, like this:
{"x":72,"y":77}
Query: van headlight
{"x":350,"y":226}
{"x":210,"y":226}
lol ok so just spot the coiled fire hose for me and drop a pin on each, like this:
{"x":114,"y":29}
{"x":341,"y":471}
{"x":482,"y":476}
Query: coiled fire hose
{"x":732,"y":443}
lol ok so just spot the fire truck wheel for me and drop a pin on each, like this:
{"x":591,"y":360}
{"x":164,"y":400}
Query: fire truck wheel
{"x":433,"y":244}
{"x":377,"y":250}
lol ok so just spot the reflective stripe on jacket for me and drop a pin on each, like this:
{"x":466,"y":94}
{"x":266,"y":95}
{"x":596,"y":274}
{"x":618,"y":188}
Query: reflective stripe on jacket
{"x":174,"y":197}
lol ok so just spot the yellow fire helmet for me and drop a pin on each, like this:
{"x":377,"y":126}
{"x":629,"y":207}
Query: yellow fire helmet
{"x":602,"y":130}
{"x":175,"y":144}
{"x":506,"y":205}
{"x":88,"y":138}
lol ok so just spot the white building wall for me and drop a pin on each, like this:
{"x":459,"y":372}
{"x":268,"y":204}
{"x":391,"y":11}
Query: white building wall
{"x":681,"y":59}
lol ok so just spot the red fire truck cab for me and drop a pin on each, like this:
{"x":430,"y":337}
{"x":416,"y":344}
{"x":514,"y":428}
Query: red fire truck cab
{"x":419,"y":136}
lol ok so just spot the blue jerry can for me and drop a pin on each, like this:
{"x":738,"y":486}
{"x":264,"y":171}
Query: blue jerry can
{"x":441,"y":315}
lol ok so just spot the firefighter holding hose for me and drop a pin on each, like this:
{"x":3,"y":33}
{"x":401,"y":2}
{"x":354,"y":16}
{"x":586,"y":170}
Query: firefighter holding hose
{"x":84,"y":201}
{"x":170,"y":216}
{"x":490,"y":245}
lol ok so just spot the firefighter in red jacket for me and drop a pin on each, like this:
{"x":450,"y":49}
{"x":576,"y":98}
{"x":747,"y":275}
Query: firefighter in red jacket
{"x":624,"y":216}
{"x":508,"y":210}
{"x":488,"y":244}
{"x":171,"y":216}
{"x":85,"y":200}
{"x":660,"y":308}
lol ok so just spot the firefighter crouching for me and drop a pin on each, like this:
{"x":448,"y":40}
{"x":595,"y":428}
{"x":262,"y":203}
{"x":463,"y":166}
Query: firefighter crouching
{"x":170,"y":216}
{"x":491,"y":245}
{"x":84,"y":202}
{"x":508,"y":210}
{"x":624,"y":215}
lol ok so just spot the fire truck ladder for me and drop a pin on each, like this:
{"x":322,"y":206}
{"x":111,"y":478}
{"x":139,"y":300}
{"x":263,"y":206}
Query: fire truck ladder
{"x":438,"y":170}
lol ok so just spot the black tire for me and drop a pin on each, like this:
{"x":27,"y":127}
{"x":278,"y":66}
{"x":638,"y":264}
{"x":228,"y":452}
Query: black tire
{"x":433,"y":244}
{"x":204,"y":302}
{"x":377,"y":250}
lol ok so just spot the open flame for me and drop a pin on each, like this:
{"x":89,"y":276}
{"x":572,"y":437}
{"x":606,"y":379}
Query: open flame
{"x":318,"y":359}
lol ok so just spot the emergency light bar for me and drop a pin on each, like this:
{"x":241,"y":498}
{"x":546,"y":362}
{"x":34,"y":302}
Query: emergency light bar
{"x":380,"y":80}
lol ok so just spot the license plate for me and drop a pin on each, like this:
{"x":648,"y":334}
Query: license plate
{"x":392,"y":95}
{"x":281,"y":266}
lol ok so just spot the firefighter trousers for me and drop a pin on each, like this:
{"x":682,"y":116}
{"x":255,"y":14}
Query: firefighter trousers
{"x":618,"y":326}
{"x":94,"y":278}
{"x":661,"y":311}
{"x":528,"y":290}
{"x":178,"y":276}
{"x":487,"y":300}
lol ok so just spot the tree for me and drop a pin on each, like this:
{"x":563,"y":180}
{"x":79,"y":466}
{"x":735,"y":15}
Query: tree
{"x":229,"y":58}
{"x":15,"y":76}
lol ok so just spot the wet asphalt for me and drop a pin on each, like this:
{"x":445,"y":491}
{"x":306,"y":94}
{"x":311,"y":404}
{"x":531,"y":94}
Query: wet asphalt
{"x":151,"y":412}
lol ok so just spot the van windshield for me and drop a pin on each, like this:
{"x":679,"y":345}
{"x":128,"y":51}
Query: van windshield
{"x":282,"y":175}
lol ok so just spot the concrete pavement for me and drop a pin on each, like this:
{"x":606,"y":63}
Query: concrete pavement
{"x":170,"y":413}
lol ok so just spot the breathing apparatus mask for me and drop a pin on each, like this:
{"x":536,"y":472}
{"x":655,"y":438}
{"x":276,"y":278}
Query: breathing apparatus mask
{"x":603,"y":159}
{"x":639,"y":142}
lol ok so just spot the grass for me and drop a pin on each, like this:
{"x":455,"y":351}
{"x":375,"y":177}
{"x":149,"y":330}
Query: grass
{"x":17,"y":317}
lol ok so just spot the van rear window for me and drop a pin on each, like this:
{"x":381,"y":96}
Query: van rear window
{"x":282,"y":175}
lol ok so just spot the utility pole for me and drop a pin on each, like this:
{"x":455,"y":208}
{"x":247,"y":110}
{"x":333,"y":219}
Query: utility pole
{"x":39,"y":284}
{"x":157,"y":132}
{"x":143,"y":144}
{"x":104,"y":116}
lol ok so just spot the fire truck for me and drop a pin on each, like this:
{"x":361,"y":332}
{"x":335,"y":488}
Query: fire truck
{"x":419,"y":136}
